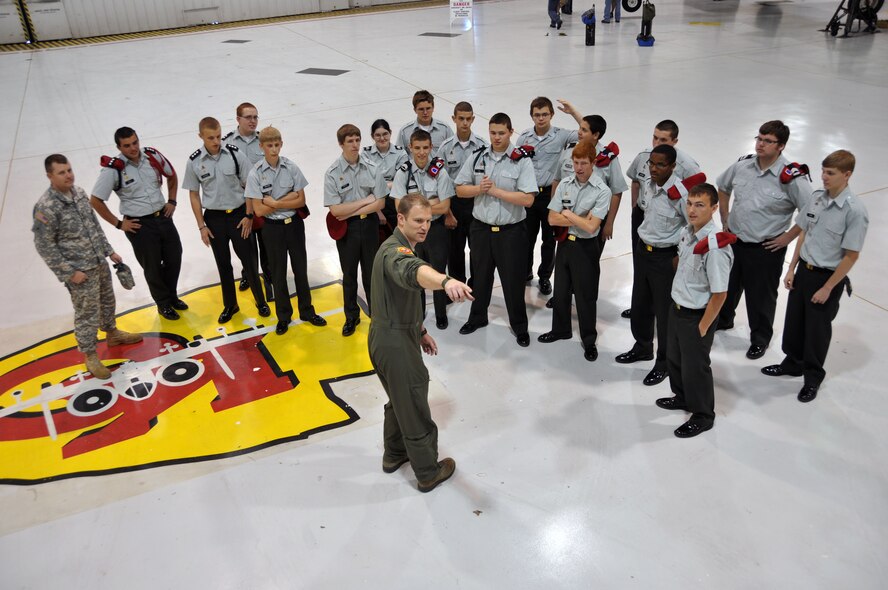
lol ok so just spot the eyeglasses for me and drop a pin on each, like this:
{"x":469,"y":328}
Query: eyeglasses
{"x":250,"y":117}
{"x":651,"y":163}
{"x":765,"y":141}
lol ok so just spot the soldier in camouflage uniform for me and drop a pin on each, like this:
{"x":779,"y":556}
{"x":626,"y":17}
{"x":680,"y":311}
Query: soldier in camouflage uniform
{"x":68,"y":237}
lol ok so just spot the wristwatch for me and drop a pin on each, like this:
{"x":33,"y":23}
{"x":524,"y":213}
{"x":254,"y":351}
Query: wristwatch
{"x":444,"y":282}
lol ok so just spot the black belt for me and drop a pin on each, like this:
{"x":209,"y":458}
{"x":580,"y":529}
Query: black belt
{"x":241,"y":209}
{"x":499,"y":228}
{"x":360,"y":217}
{"x":285,"y":221}
{"x":649,"y":248}
{"x":573,"y":238}
{"x":743,"y":244}
{"x":813,"y":268}
{"x":145,"y":217}
{"x":688,"y":310}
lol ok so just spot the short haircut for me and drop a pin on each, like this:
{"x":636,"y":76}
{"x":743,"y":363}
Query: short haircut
{"x":584,"y":149}
{"x":423,"y":96}
{"x":60,"y":159}
{"x":463,"y":107}
{"x":666,"y":150}
{"x":380,"y":123}
{"x":245,"y":105}
{"x":501,"y":119}
{"x":269,"y":134}
{"x":669,"y":126}
{"x":420,"y":135}
{"x":122,"y":134}
{"x":410,"y":201}
{"x":777,"y":129}
{"x":596,"y":124}
{"x":841,"y":160}
{"x":704,"y":188}
{"x":541,"y":102}
{"x":210,"y":123}
{"x":347,"y":131}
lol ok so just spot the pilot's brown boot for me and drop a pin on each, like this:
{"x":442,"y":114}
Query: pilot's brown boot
{"x":118,"y":337}
{"x":446,"y":467}
{"x":95,"y":366}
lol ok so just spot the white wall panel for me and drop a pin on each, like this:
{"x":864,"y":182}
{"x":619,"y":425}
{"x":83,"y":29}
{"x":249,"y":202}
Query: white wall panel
{"x":90,"y":18}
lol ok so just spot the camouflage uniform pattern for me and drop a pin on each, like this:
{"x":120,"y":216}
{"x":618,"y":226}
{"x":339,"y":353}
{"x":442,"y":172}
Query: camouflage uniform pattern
{"x":68,"y":238}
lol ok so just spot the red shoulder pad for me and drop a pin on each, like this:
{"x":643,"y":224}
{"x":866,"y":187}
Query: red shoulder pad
{"x":159,"y":162}
{"x":435,"y":166}
{"x":522,"y":151}
{"x":680,"y":189}
{"x":792,"y":171}
{"x":607,"y":155}
{"x":112,"y":162}
{"x":720,"y":240}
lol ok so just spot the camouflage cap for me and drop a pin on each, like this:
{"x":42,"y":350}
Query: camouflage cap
{"x":125,"y":275}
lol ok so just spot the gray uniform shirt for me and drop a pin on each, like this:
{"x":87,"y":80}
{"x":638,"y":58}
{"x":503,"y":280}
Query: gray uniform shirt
{"x":265,"y":181}
{"x":386,"y":163}
{"x":582,"y":198}
{"x":547,"y":150}
{"x":411,"y":179}
{"x":139,"y":190}
{"x":455,"y":154}
{"x":832,"y":226}
{"x":67,"y":234}
{"x":698,"y":276}
{"x":612,"y":174}
{"x":639,"y":171}
{"x":248,"y":144}
{"x":216,"y":177}
{"x":761,"y":207}
{"x":664,"y":218}
{"x":344,"y":183}
{"x":507,"y":174}
{"x":438,"y":129}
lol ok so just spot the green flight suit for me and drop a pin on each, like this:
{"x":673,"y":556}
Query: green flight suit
{"x":397,"y":357}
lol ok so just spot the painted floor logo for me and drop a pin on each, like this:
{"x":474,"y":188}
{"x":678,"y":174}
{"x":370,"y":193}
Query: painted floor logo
{"x":192,"y":390}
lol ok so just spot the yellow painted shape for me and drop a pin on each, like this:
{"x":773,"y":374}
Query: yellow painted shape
{"x":706,"y":23}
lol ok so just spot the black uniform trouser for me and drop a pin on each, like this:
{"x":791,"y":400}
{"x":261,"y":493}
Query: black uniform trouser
{"x":637,"y":219}
{"x":224,"y":228}
{"x":537,"y":221}
{"x":499,"y":248}
{"x":462,"y":210}
{"x":258,"y":255}
{"x":756,"y":272}
{"x":357,"y":248}
{"x":651,"y":295}
{"x":408,"y":428}
{"x":283,"y":240}
{"x":807,"y":330}
{"x":159,"y":251}
{"x":437,"y":249}
{"x":577,"y":272}
{"x":690,"y":371}
{"x":390,"y":212}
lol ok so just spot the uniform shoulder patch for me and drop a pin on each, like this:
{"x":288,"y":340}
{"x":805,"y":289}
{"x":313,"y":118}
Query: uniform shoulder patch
{"x":194,"y":155}
{"x":405,"y":167}
{"x":572,"y":144}
{"x":232,"y":147}
{"x":746,"y":157}
{"x":405,"y":250}
{"x":368,"y":148}
{"x":39,"y":216}
{"x":792,"y":171}
{"x":150,"y":150}
{"x":398,"y":148}
{"x":227,"y":135}
{"x":480,"y":149}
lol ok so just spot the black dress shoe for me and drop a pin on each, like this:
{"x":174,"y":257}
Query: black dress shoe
{"x":779,"y":371}
{"x":227,"y":313}
{"x":670,"y":403}
{"x":523,"y":339}
{"x":724,"y":326}
{"x":349,"y":327}
{"x":808,"y":393}
{"x":552,"y":337}
{"x":167,"y":312}
{"x":545,"y":286}
{"x":282,"y":327}
{"x":470,"y":327}
{"x":633,"y":357}
{"x":655,"y":377}
{"x":179,"y":304}
{"x":264,"y":310}
{"x":689,"y":429}
{"x":591,"y":353}
{"x":244,"y":285}
{"x":316,"y":320}
{"x":442,"y":323}
{"x":626,"y":314}
{"x":550,"y":303}
{"x":756,"y":351}
{"x":529,"y":277}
